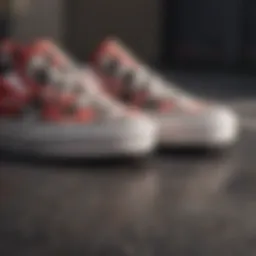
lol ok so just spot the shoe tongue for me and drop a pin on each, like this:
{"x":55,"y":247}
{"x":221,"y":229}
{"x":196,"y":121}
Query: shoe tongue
{"x":113,"y":49}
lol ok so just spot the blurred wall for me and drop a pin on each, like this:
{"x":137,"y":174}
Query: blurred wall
{"x":82,"y":24}
{"x":205,"y":31}
{"x":37,"y":18}
{"x":218,"y":33}
{"x":4,"y":18}
{"x":4,"y":5}
{"x":137,"y":22}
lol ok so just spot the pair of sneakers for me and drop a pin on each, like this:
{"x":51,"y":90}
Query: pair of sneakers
{"x":51,"y":106}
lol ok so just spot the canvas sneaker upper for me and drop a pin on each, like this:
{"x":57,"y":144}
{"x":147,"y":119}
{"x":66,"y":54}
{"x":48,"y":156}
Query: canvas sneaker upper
{"x":135,"y":83}
{"x":50,"y":87}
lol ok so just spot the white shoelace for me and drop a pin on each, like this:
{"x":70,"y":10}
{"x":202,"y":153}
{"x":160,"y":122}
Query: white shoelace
{"x":145,"y":79}
{"x":161,"y":89}
{"x":85,"y":82}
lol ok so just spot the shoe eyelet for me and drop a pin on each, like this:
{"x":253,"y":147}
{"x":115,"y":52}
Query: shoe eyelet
{"x":110,"y":66}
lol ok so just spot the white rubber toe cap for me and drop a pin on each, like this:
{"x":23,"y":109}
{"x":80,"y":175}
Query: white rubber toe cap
{"x":139,"y":132}
{"x":222,"y":126}
{"x":215,"y":126}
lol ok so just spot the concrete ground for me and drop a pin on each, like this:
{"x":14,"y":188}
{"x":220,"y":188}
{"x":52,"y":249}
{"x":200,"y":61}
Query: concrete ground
{"x":172,"y":204}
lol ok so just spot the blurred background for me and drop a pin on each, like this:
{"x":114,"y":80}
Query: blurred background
{"x":174,"y":205}
{"x":183,"y":34}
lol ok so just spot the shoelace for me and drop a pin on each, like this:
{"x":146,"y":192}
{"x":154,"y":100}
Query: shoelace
{"x":145,"y":79}
{"x":70,"y":79}
{"x":155,"y":85}
{"x":161,"y":87}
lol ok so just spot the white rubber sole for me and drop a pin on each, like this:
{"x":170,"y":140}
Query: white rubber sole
{"x":215,"y":130}
{"x":128,"y":138}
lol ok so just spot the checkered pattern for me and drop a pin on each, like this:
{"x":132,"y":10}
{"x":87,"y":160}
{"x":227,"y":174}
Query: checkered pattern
{"x":43,"y":86}
{"x":132,"y":82}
